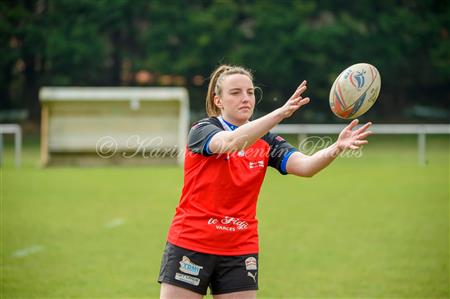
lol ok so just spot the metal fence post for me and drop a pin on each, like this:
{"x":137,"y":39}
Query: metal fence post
{"x":421,"y":145}
{"x":18,"y":145}
{"x":17,"y":131}
{"x":1,"y":148}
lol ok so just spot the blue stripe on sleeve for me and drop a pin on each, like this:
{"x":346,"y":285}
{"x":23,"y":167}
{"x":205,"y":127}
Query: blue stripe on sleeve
{"x":206,"y":147}
{"x":284,"y":161}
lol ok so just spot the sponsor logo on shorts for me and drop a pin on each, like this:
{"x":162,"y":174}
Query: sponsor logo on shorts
{"x":250,"y":264}
{"x":189,"y":267}
{"x":249,"y":274}
{"x":187,"y":279}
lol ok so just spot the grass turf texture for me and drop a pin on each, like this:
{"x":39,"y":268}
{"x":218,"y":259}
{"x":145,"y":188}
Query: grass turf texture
{"x":369,"y":227}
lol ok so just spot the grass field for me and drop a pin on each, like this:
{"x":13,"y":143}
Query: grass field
{"x":370,"y":227}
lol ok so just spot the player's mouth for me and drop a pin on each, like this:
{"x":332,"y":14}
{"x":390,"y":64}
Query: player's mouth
{"x":245,"y":108}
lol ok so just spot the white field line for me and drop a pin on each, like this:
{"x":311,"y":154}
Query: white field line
{"x":27,"y":251}
{"x":23,"y":252}
{"x":115,"y":223}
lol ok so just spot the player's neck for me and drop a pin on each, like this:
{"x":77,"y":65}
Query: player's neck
{"x":233,"y":122}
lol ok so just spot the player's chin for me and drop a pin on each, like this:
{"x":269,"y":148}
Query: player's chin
{"x":245,"y":113}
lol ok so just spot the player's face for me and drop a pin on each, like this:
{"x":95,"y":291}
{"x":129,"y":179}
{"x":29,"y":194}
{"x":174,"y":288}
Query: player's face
{"x":238,"y":99}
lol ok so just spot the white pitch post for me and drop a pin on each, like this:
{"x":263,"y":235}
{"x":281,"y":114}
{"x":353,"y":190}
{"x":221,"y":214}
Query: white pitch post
{"x":18,"y":146}
{"x":1,"y":149}
{"x":421,"y":145}
{"x":17,"y":131}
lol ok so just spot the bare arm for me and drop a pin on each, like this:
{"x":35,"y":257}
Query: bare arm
{"x":307,"y":166}
{"x":247,"y":134}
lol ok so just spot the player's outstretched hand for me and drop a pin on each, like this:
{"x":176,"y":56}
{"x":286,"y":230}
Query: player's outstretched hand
{"x":295,"y":101}
{"x":349,"y":139}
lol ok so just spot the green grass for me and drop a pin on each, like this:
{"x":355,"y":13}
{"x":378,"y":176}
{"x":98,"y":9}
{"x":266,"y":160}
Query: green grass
{"x":369,"y":227}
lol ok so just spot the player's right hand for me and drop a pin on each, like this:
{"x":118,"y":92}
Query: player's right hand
{"x":295,"y":101}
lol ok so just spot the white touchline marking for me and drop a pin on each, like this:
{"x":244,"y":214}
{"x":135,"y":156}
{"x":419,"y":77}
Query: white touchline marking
{"x":27,"y":251}
{"x":115,"y":223}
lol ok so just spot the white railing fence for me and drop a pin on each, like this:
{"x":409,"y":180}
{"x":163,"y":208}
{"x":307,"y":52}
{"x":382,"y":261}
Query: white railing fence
{"x":17,"y":132}
{"x":301,"y":130}
{"x":421,"y":130}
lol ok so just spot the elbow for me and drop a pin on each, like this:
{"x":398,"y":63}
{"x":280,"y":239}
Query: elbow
{"x":300,"y":165}
{"x":304,"y":174}
{"x":311,"y":173}
{"x":308,"y":175}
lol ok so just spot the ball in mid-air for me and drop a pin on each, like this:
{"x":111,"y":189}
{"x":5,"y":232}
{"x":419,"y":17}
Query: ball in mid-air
{"x":355,"y":90}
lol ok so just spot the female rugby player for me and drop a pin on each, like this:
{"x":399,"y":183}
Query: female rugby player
{"x":213,"y":239}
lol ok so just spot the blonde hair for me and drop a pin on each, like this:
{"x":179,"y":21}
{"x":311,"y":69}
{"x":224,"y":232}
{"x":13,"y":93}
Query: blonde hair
{"x":215,"y":85}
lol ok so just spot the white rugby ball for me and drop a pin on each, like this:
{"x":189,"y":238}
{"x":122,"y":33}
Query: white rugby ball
{"x":355,"y":90}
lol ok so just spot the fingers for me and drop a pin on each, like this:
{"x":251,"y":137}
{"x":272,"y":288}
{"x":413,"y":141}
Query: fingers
{"x":355,"y":145}
{"x":300,"y":89}
{"x":298,"y":92}
{"x":303,"y":102}
{"x":295,"y":101}
{"x":365,"y":135}
{"x":353,"y":140}
{"x":299,"y":101}
{"x":293,"y":105}
{"x":303,"y":83}
{"x":360,"y":142}
{"x":352,"y":124}
{"x":363,"y":128}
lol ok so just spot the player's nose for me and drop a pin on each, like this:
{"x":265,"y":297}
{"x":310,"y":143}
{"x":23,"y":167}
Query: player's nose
{"x":245,"y":98}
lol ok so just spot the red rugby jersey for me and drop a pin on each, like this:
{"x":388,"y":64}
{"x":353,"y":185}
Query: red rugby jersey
{"x":217,"y":210}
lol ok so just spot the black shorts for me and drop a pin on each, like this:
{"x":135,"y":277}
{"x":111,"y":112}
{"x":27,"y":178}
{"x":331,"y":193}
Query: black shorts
{"x":197,"y":271}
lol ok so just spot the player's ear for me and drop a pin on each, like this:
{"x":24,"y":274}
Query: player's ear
{"x":218,"y":101}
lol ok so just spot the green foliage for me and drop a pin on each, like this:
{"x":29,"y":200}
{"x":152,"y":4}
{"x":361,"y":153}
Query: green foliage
{"x":102,"y":42}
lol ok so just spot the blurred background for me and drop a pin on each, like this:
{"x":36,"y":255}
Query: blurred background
{"x":369,"y":226}
{"x":179,"y":43}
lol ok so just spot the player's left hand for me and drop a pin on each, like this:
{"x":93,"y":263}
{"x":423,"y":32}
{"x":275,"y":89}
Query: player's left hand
{"x":349,"y":139}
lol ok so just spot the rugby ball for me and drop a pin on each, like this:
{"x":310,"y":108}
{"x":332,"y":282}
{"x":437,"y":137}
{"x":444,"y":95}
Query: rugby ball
{"x":355,"y":90}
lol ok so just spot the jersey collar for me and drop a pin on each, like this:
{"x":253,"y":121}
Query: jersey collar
{"x":228,"y":126}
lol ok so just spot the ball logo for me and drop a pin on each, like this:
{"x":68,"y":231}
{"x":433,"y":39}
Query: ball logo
{"x":357,"y":79}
